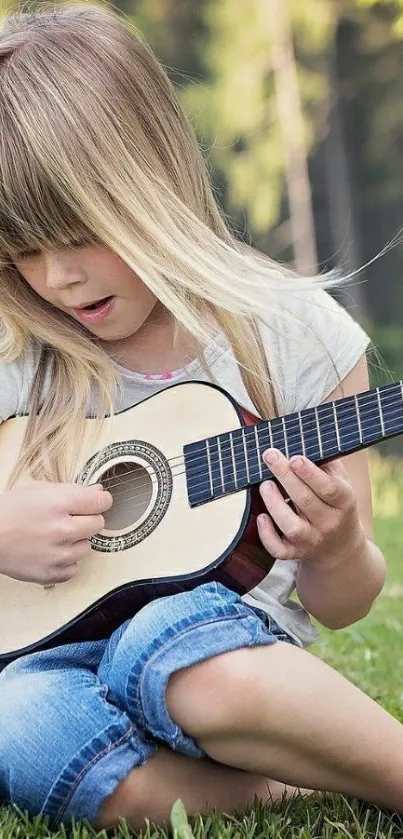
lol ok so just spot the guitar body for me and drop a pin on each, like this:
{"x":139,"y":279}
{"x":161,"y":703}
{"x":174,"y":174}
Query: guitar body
{"x":184,"y":468}
{"x":154,"y":542}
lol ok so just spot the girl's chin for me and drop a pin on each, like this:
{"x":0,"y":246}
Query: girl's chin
{"x":111,"y":336}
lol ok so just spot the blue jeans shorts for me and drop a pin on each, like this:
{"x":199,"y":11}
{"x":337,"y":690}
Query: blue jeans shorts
{"x":76,"y":719}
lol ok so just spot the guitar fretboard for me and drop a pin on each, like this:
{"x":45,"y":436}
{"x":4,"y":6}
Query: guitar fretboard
{"x":233,"y":461}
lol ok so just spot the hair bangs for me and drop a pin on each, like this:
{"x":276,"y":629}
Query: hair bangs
{"x":34,"y":215}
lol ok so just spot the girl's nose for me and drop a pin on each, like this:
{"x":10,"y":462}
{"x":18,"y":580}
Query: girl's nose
{"x":62,"y":270}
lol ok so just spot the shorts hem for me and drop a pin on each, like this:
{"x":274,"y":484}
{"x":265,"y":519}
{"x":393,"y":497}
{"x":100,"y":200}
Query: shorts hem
{"x":234,"y":633}
{"x":95,"y":772}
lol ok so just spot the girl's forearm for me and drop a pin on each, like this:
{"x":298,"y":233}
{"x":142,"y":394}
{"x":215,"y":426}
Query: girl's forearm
{"x":340,"y":590}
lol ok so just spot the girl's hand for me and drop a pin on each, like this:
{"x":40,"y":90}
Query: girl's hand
{"x":325,"y":524}
{"x":45,"y":529}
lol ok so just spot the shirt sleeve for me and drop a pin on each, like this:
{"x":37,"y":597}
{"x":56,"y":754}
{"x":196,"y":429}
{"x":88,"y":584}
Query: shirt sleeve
{"x":10,"y":386}
{"x":313,"y":344}
{"x":16,"y":379}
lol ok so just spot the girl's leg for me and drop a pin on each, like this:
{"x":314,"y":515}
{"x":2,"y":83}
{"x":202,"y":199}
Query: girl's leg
{"x":63,"y":746}
{"x":149,"y":791}
{"x":66,"y":751}
{"x":167,"y":636}
{"x":281,"y":712}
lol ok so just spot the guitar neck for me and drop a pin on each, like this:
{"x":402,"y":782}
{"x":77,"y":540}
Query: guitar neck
{"x":233,"y":461}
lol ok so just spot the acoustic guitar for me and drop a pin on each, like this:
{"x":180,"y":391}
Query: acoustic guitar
{"x":181,"y":467}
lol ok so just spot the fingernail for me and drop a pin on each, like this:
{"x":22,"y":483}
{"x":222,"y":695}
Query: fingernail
{"x":266,"y":486}
{"x":297,"y":461}
{"x":271,"y":456}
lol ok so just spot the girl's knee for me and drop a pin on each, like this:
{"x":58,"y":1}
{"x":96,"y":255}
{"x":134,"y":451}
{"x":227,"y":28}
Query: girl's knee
{"x":228,"y":691}
{"x":213,"y":695}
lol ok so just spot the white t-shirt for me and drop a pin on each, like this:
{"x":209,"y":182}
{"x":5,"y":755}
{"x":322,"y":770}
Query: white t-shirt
{"x":305,"y":362}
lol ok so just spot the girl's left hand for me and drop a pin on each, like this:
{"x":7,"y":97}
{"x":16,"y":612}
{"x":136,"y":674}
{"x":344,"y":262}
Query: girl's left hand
{"x":325,"y":523}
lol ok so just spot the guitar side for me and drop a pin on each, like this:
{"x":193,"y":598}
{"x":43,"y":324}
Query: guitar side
{"x":154,"y":543}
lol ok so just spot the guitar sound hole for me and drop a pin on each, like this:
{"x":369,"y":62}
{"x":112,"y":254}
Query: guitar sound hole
{"x":131,"y":486}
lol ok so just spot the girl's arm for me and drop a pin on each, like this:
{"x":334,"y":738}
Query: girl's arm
{"x":342,"y":570}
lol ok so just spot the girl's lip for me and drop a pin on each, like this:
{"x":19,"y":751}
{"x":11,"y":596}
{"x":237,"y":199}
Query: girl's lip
{"x":95,"y":315}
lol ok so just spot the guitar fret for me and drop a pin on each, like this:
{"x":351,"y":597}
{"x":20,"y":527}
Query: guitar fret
{"x":336,"y":425}
{"x":259,"y":458}
{"x":318,"y":432}
{"x":231,"y":442}
{"x":378,"y":396}
{"x":220,"y":464}
{"x":210,"y":473}
{"x":285,"y":437}
{"x":301,"y":430}
{"x":246,"y":455}
{"x":233,"y":460}
{"x":327,"y":429}
{"x":357,"y":408}
{"x":370,"y":418}
{"x":278,"y":436}
{"x":310,"y":432}
{"x":348,"y":425}
{"x":392,"y":408}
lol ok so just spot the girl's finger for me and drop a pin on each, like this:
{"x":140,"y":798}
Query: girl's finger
{"x":302,"y":495}
{"x":271,"y":540}
{"x":294,"y":528}
{"x":325,"y":482}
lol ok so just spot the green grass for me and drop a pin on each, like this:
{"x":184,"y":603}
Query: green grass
{"x":369,"y":654}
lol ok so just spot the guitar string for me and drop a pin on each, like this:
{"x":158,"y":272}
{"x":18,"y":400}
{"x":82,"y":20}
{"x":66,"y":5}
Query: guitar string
{"x":175,"y":475}
{"x":107,"y":483}
{"x":306,"y":419}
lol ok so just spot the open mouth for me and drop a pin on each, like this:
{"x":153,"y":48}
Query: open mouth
{"x":97,"y":305}
{"x":96,"y":312}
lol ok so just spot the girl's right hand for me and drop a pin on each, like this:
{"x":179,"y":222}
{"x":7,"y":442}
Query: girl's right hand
{"x":45,"y":529}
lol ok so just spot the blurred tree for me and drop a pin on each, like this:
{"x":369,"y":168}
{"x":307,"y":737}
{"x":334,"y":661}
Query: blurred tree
{"x":176,"y":31}
{"x":348,"y":58}
{"x":236,"y":104}
{"x":396,"y":7}
{"x":370,"y":84}
{"x":289,"y":111}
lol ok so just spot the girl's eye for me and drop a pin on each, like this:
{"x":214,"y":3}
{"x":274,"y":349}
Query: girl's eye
{"x":73,"y":245}
{"x":22,"y":255}
{"x":28,"y":254}
{"x":82,"y":244}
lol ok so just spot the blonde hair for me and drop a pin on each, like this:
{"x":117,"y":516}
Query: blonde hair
{"x":95,"y":146}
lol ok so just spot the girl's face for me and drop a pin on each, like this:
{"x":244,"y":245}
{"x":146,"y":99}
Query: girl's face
{"x":93,"y":285}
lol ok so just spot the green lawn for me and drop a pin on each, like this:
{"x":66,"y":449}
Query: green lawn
{"x":369,"y":654}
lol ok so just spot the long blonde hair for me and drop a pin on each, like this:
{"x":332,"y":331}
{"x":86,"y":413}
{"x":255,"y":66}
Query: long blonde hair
{"x":94,"y":145}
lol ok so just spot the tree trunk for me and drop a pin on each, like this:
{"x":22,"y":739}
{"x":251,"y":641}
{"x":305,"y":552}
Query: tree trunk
{"x":344,"y":237}
{"x":292,"y":129}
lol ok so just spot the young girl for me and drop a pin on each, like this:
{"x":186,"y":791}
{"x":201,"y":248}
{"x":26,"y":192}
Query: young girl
{"x":117,"y":268}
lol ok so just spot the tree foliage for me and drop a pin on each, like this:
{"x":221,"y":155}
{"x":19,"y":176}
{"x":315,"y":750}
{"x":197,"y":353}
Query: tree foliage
{"x":235,"y":107}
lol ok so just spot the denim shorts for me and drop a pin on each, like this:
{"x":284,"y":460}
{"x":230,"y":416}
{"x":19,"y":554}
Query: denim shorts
{"x":75,"y":719}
